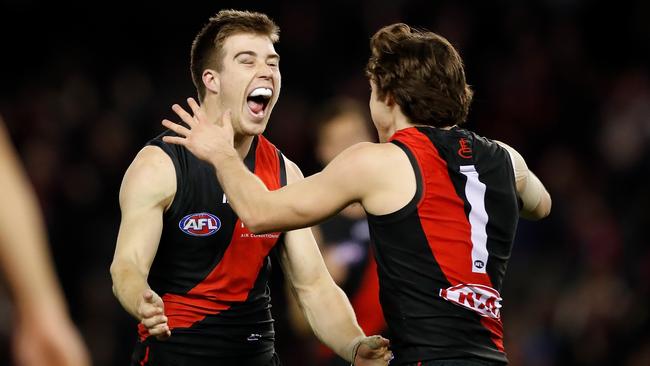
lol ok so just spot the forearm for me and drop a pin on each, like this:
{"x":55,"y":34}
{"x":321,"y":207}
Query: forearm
{"x":128,"y":285}
{"x":331,"y":317}
{"x":29,"y":270}
{"x":24,"y":253}
{"x":245,"y":191}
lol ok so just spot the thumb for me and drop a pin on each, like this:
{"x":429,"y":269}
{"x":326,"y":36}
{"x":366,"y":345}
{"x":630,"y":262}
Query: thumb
{"x":376,"y":342}
{"x":147,"y":295}
{"x":150,"y":297}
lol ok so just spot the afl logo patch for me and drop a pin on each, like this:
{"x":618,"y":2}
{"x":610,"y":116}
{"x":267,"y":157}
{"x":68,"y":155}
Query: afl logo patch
{"x":200,"y":224}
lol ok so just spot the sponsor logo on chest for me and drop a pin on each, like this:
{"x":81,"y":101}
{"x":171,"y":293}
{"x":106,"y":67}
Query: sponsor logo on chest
{"x":200,"y":224}
{"x":479,"y":298}
{"x":247,"y":234}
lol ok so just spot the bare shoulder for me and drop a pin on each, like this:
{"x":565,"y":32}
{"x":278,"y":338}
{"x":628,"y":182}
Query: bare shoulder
{"x":150,"y":177}
{"x":293,"y":170}
{"x":365,"y":155}
{"x":374,"y":159}
{"x":359,"y":156}
{"x":389,"y":179}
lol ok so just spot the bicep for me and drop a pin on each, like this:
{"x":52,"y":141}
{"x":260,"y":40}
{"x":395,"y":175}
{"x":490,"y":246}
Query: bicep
{"x":536,"y":200}
{"x":142,"y":205}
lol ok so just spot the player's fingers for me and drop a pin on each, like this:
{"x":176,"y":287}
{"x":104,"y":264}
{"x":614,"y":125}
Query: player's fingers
{"x":159,"y":330}
{"x":186,"y":117}
{"x":389,"y":356}
{"x":165,"y":335}
{"x":153,"y":321}
{"x":148,"y":311}
{"x":174,"y":140}
{"x":181,"y":130}
{"x":196,"y":109}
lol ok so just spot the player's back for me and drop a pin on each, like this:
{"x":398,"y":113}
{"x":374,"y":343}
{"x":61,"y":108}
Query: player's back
{"x":442,"y":257}
{"x":212,"y":272}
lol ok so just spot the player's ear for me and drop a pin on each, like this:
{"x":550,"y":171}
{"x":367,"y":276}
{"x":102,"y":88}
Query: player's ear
{"x":211,"y":80}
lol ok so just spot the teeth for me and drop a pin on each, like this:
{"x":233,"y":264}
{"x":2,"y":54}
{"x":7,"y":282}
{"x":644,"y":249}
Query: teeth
{"x":265,"y":92}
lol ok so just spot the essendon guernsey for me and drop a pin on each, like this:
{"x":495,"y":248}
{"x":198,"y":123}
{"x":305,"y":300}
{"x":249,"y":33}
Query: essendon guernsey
{"x":210,"y":270}
{"x":441,"y":258}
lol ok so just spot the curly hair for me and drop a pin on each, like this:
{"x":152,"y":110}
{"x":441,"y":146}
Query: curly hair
{"x":422,"y":72}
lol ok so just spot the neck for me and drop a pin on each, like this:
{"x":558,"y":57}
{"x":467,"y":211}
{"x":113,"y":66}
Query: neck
{"x":400,"y":122}
{"x":243,"y":144}
{"x":214,"y":110}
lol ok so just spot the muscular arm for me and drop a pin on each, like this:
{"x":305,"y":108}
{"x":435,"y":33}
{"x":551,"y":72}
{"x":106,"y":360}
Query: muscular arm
{"x":324,"y":304}
{"x":297,"y":205}
{"x":536,"y":199}
{"x":148,"y":188}
{"x":377,"y":175}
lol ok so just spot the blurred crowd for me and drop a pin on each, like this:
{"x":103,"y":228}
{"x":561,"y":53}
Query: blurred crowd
{"x":565,"y":82}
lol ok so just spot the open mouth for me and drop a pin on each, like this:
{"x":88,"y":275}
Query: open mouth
{"x":258,"y":100}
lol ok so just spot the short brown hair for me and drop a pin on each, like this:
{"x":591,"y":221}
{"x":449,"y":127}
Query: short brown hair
{"x":207,"y":46}
{"x":422,"y":72}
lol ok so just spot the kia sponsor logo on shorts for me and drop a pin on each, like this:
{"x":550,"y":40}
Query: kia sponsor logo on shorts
{"x":200,"y":224}
{"x":480,"y":298}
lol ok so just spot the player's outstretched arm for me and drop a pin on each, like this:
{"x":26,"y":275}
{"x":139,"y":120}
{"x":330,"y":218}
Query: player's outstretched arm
{"x":147,"y":189}
{"x":351,"y":177}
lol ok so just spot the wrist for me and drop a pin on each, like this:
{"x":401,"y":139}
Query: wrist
{"x":39,"y":311}
{"x":353,"y":348}
{"x":223,"y":157}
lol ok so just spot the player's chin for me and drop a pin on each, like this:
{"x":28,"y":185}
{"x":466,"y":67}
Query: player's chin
{"x":253,"y":126}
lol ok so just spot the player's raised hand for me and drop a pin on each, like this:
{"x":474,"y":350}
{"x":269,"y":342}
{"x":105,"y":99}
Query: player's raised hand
{"x":207,"y":140}
{"x":373,"y":350}
{"x":151,"y":311}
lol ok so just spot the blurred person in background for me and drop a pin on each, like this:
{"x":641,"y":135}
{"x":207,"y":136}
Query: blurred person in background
{"x":442,"y":202}
{"x":44,"y":334}
{"x":185,"y":265}
{"x":344,"y":238}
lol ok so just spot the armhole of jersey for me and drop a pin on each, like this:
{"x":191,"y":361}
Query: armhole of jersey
{"x":417,"y":196}
{"x":283,"y":169}
{"x":177,"y":170}
{"x":275,"y":251}
{"x":520,"y":203}
{"x":512,"y":162}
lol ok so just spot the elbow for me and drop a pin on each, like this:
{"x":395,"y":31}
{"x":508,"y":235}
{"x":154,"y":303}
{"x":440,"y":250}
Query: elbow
{"x":256,"y":226}
{"x":257,"y":222}
{"x":546,"y":207}
{"x":542,"y":210}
